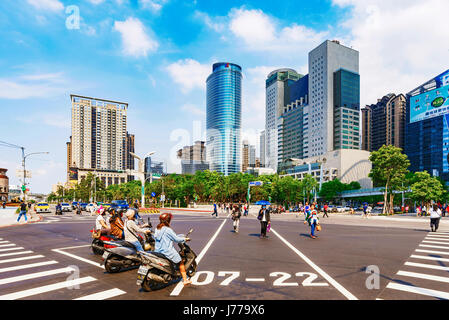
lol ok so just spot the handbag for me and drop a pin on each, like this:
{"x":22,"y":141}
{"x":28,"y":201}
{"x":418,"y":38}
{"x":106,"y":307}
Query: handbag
{"x":269,"y":227}
{"x":318,"y":227}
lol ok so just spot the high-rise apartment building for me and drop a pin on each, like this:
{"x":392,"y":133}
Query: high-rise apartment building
{"x":99,"y":141}
{"x":262,"y":149}
{"x":333,"y":94}
{"x":224,"y":117}
{"x":277,"y":96}
{"x":245,"y":155}
{"x":383,"y":123}
{"x":193,"y":158}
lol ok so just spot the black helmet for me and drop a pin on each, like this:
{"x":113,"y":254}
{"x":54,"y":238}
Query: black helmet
{"x":111,"y":210}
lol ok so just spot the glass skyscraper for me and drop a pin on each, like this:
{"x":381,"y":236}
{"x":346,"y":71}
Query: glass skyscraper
{"x":224,"y":117}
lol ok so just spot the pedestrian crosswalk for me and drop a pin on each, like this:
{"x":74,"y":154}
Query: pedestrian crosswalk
{"x":425,"y":274}
{"x":27,"y":275}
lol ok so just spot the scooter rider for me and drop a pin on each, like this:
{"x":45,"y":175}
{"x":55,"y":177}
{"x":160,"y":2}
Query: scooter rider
{"x":116,"y":222}
{"x":131,"y":229}
{"x":100,"y":222}
{"x":165,"y":236}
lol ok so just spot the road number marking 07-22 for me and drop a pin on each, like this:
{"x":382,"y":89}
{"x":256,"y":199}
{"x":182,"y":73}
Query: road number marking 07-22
{"x":279,"y":282}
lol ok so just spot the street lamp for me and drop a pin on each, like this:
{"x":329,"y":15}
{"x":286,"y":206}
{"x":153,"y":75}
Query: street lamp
{"x":24,"y":156}
{"x":140,"y":173}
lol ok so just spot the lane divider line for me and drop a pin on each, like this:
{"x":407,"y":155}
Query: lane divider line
{"x":26,"y":266}
{"x":22,"y":258}
{"x":15,"y":253}
{"x":103,"y":295}
{"x":78,"y":258}
{"x":36,"y":275}
{"x":419,"y":290}
{"x":180,"y":285}
{"x":336,"y":285}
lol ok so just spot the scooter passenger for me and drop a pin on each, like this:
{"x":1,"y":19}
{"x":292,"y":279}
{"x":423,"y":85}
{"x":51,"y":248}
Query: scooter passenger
{"x":131,"y":229}
{"x":165,"y":236}
{"x":100,"y":222}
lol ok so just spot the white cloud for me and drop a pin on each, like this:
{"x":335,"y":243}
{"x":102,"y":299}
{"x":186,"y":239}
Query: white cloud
{"x":96,"y":2}
{"x":189,"y":74}
{"x":401,"y":43}
{"x":33,"y":86}
{"x":212,"y":23}
{"x":153,"y":5}
{"x":193,"y":109}
{"x":51,"y":5}
{"x":135,"y":40}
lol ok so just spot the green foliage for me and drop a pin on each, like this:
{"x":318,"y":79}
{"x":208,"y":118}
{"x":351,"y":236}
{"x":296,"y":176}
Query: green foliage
{"x":330,"y":190}
{"x":426,"y":188}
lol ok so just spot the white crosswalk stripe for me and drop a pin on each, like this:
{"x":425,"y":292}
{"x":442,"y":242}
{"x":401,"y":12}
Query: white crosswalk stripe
{"x":28,"y":276}
{"x":424,"y":279}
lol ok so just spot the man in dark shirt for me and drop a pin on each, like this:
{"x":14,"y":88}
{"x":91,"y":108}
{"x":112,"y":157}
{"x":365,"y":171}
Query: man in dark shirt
{"x":23,"y":211}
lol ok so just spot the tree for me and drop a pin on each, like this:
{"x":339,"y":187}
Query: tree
{"x":426,"y":188}
{"x":308,"y":184}
{"x":389,"y":168}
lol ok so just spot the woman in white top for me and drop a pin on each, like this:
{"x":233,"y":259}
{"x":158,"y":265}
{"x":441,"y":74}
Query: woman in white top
{"x":435,"y":215}
{"x":132,"y":229}
{"x":100,"y":222}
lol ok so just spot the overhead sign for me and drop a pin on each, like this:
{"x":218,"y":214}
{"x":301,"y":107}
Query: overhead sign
{"x":19,"y":173}
{"x":255,"y":183}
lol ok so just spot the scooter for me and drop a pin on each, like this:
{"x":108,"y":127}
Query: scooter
{"x":98,"y":244}
{"x":123,"y":254}
{"x":58,"y":212}
{"x":157,"y":270}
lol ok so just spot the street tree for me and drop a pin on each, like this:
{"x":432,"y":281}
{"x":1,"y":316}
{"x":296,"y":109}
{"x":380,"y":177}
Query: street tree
{"x":426,"y":189}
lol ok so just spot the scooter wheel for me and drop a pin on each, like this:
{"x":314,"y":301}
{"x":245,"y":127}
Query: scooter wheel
{"x":96,"y":247}
{"x":191,"y":270}
{"x":110,"y":265}
{"x":150,"y":285}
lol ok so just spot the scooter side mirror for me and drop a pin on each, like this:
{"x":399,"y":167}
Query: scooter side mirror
{"x":190,"y":231}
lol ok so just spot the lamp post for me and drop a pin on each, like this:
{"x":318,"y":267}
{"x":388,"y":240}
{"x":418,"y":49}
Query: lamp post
{"x":24,"y":156}
{"x":140,"y":173}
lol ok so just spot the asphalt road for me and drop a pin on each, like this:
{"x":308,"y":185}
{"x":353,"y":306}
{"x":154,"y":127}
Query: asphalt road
{"x":52,"y":260}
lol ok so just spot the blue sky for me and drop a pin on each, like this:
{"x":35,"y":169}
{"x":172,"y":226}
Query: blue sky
{"x":156,"y":55}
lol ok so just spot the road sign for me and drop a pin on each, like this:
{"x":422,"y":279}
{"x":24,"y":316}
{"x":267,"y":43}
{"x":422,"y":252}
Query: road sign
{"x":156,"y":175}
{"x":19,"y":173}
{"x":162,"y":197}
{"x":153,"y":194}
{"x":255,"y":183}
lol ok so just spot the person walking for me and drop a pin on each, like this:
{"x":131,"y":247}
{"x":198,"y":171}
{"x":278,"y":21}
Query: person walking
{"x":264,"y":218}
{"x":313,"y":221}
{"x":4,"y":204}
{"x":246,"y":209}
{"x":418,"y":210}
{"x":236,"y":214}
{"x":325,"y":207}
{"x":215,"y":213}
{"x":365,"y":210}
{"x":435,"y":216}
{"x":23,"y":211}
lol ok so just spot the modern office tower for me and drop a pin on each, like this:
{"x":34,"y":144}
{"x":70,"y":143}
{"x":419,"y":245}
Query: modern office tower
{"x":224,"y":117}
{"x":69,"y":157}
{"x":153,"y":167}
{"x":99,"y":139}
{"x":427,"y":127}
{"x":245,"y":155}
{"x":384,"y":122}
{"x":277,"y":96}
{"x":252,"y":156}
{"x":262,"y":149}
{"x":193,"y":158}
{"x":293,"y":123}
{"x":333,"y":77}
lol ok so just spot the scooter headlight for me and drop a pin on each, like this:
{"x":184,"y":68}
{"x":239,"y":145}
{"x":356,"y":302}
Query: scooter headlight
{"x":147,"y":247}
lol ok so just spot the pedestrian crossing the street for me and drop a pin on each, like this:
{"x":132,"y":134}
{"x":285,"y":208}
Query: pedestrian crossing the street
{"x":425,"y":275}
{"x":24,"y":274}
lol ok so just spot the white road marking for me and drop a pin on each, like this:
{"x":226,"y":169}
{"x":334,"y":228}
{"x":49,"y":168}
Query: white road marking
{"x":429,"y":258}
{"x":423,"y":276}
{"x":429,"y":266}
{"x":432,"y":246}
{"x":432,"y":251}
{"x":4,"y":241}
{"x":78,"y":258}
{"x":26,"y":266}
{"x":436,"y":238}
{"x":437,"y":242}
{"x":48,"y":288}
{"x":337,"y":286}
{"x":439,"y":232}
{"x":22,"y":258}
{"x":177,"y":290}
{"x":7,"y":245}
{"x":103,"y":295}
{"x":418,"y":290}
{"x":255,"y":279}
{"x":36,"y":275}
{"x":14,"y":253}
{"x":437,"y":235}
{"x":11,"y":249}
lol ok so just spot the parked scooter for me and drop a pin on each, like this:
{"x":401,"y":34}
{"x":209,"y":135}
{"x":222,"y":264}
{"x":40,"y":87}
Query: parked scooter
{"x":157,"y":270}
{"x":122,"y":254}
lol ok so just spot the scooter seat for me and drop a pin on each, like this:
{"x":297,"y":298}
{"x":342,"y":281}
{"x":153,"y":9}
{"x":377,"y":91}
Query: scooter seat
{"x":126,"y":244}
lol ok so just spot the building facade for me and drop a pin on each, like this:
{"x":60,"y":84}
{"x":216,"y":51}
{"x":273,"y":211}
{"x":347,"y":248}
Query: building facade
{"x":224,"y":117}
{"x":383,"y":123}
{"x":4,"y":185}
{"x":153,"y":167}
{"x":277,"y":96}
{"x":427,"y":127}
{"x":262,"y":149}
{"x":99,"y":140}
{"x":193,"y":158}
{"x":326,"y":63}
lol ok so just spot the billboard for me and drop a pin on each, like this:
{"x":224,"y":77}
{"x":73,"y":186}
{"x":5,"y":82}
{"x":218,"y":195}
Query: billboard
{"x":73,"y":174}
{"x":430,"y":104}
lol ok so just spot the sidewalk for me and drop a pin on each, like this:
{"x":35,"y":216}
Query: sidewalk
{"x":8,"y":217}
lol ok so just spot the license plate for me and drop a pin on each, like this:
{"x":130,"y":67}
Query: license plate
{"x":142,"y":270}
{"x":105,"y":255}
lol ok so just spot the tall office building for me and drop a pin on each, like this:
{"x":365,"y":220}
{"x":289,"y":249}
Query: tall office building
{"x":427,"y":127}
{"x":193,"y":158}
{"x":277,"y":96}
{"x":224,"y":117}
{"x":245,"y":155}
{"x":383,"y":123}
{"x":99,"y":139}
{"x":262,"y":149}
{"x":252,"y":156}
{"x":334,"y":89}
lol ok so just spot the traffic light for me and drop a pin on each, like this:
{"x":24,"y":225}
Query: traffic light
{"x":24,"y":188}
